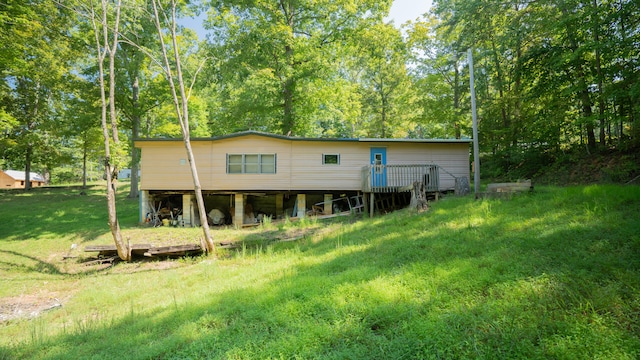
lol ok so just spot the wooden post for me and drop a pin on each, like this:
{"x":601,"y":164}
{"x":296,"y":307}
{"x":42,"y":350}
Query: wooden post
{"x":372,"y":203}
{"x":365,"y":203}
{"x":279,"y":205}
{"x":238,"y":216}
{"x":144,"y":205}
{"x":302,"y":205}
{"x":187,"y":209}
{"x":328,"y":204}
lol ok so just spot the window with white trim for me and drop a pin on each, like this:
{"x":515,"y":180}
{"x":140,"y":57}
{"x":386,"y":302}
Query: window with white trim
{"x":330,"y":159}
{"x":251,"y":163}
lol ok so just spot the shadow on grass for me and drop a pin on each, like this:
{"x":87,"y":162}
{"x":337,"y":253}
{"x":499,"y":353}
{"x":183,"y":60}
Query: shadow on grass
{"x":510,"y":283}
{"x":60,"y":212}
{"x":38,"y":267}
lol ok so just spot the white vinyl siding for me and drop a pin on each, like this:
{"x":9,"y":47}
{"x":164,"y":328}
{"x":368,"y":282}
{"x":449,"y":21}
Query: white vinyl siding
{"x":287,"y":165}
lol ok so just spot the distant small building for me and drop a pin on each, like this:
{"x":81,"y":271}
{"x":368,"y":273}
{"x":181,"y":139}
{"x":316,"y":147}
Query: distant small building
{"x":126,"y":174}
{"x":14,"y":179}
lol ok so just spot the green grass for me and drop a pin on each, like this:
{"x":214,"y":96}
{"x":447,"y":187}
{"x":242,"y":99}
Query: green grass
{"x":552,"y":274}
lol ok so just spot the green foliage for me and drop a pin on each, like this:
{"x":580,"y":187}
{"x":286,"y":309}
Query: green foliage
{"x":549,"y":74}
{"x":579,"y":167}
{"x":388,"y":98}
{"x":551,"y":274}
{"x":278,"y":63}
{"x":551,"y":77}
{"x":34,"y":67}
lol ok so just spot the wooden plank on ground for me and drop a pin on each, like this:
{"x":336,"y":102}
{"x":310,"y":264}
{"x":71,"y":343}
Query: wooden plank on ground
{"x":93,"y":248}
{"x":510,"y":187}
{"x":344,"y":213}
{"x":174,"y":250}
{"x":110,"y":250}
{"x":108,"y":260}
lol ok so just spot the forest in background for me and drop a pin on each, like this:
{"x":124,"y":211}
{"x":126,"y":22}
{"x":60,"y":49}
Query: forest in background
{"x":554,"y":79}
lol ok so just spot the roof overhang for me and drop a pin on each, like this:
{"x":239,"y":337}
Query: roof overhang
{"x":294,"y":138}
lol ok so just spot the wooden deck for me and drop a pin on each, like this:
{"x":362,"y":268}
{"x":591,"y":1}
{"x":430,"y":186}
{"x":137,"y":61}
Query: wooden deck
{"x":399,"y":178}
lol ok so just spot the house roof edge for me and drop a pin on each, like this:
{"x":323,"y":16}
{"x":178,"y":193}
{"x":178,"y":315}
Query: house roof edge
{"x":294,"y":138}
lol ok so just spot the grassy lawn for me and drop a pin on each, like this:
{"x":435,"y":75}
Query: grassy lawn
{"x":551,"y":274}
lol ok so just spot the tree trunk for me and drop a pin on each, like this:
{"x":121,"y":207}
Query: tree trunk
{"x":583,"y":89}
{"x":30,"y":126}
{"x":27,"y":167}
{"x":456,"y":97}
{"x":383,"y":110}
{"x":516,"y":115}
{"x":289,"y":85}
{"x":598,"y":64}
{"x":288,"y":121}
{"x":418,"y":197}
{"x":102,"y":46}
{"x":182,"y":111}
{"x":84,"y":163}
{"x":199,"y":198}
{"x":135,"y":133}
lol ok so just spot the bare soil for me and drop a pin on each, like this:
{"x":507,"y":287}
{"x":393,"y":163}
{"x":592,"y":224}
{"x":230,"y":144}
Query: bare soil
{"x":31,"y":305}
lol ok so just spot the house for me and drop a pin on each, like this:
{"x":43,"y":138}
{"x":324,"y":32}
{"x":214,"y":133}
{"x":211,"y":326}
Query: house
{"x":259,"y":173}
{"x":14,"y":179}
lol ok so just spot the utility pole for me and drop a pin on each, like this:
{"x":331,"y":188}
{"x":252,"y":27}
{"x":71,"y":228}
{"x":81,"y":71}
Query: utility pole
{"x":476,"y":147}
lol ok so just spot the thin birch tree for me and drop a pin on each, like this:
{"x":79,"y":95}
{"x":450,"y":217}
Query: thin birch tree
{"x":106,"y":42}
{"x":180,"y":95}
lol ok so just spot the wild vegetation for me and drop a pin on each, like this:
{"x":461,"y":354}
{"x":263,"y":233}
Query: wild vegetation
{"x":550,"y":274}
{"x":553,"y":78}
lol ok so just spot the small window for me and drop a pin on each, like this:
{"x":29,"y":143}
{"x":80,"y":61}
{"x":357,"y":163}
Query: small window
{"x":330,"y":159}
{"x":378,"y":159}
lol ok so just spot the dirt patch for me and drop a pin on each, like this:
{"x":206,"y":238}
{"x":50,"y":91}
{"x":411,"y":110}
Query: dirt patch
{"x":31,"y":305}
{"x":141,"y":265}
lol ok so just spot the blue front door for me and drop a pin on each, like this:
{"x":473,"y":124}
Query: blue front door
{"x":378,"y":169}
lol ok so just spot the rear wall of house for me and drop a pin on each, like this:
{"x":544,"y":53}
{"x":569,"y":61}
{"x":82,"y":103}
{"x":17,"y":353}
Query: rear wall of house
{"x":299,"y":166}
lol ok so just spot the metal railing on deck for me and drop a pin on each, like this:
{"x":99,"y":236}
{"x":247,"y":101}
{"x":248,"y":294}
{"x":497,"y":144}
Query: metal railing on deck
{"x":398,"y":178}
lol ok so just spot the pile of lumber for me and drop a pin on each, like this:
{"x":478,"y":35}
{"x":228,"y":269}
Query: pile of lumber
{"x":147,"y":250}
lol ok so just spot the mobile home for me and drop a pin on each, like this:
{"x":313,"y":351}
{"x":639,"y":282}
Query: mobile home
{"x":281,"y":175}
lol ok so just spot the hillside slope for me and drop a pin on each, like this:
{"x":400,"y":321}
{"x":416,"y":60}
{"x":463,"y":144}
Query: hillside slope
{"x":551,"y":274}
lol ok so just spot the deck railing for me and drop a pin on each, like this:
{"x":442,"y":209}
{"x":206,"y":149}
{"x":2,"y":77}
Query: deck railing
{"x":398,"y":178}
